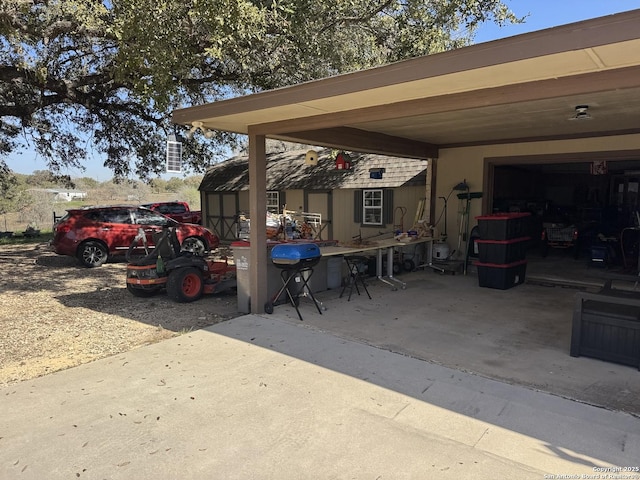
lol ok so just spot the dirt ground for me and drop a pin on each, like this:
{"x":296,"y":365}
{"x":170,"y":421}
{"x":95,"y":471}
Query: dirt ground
{"x":56,"y":314}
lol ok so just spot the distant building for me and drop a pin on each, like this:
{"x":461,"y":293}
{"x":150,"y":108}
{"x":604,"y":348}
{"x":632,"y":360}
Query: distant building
{"x":62,"y":195}
{"x":68,"y":195}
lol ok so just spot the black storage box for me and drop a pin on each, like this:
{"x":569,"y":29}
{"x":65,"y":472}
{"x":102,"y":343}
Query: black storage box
{"x":502,"y":251}
{"x":501,"y":276}
{"x":503,"y":226}
{"x":606,"y":325}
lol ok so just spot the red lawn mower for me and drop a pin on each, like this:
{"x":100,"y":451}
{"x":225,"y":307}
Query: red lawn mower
{"x":185,"y":275}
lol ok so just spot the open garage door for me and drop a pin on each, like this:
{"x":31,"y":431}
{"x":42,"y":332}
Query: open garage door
{"x":575,"y":203}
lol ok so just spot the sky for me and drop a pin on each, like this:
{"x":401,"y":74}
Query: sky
{"x":540,"y":14}
{"x":543,"y":14}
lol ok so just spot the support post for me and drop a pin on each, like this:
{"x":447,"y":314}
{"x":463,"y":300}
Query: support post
{"x":258,"y":289}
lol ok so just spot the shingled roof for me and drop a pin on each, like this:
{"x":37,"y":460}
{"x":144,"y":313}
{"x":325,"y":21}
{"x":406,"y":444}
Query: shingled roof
{"x":288,"y":171}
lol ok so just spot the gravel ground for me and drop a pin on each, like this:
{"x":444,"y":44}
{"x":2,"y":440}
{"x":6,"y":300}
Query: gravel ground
{"x":55,"y":314}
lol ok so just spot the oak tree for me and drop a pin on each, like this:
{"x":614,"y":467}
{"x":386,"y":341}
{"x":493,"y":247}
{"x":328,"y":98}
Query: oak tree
{"x":81,"y":79}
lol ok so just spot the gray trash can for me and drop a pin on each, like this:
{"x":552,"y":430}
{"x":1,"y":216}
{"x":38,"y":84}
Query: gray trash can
{"x":334,"y":272}
{"x":242,"y":260}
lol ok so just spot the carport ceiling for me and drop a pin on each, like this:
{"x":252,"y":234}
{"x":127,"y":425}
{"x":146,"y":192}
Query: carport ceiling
{"x":523,"y":88}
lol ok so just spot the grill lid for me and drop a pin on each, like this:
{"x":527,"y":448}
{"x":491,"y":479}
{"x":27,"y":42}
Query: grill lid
{"x":293,"y":253}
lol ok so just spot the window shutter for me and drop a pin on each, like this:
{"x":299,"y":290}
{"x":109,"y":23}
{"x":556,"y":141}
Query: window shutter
{"x":357,"y":206}
{"x":282,"y":198}
{"x":387,"y":207}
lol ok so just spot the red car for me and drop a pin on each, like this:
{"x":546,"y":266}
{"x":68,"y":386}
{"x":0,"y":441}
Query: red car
{"x":94,"y":234}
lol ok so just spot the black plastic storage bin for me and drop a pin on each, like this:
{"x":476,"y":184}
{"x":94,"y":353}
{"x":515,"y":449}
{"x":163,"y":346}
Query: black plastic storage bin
{"x":501,"y":276}
{"x":502,"y":251}
{"x":503,"y":226}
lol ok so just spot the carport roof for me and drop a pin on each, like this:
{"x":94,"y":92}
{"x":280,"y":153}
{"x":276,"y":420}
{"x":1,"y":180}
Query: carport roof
{"x":522,"y":88}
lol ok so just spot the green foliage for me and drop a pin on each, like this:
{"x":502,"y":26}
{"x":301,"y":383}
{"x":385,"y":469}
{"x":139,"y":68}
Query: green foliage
{"x":191,"y":195}
{"x":8,"y":184}
{"x":85,"y":76}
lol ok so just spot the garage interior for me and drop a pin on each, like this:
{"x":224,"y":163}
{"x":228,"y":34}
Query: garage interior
{"x":598,"y":197}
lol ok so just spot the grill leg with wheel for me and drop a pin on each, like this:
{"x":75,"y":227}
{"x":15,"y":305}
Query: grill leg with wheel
{"x":288,"y":279}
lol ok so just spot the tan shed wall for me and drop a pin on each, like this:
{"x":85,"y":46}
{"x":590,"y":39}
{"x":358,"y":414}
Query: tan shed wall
{"x":344,"y":229}
{"x":342,"y":222}
{"x":295,"y":200}
{"x":243,"y":201}
{"x":340,"y":211}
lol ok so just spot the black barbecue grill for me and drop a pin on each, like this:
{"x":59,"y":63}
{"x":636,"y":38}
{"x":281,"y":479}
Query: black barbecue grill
{"x":296,"y":260}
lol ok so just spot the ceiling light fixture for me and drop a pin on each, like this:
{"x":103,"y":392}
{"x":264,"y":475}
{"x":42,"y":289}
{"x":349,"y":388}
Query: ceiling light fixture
{"x":582,"y":113}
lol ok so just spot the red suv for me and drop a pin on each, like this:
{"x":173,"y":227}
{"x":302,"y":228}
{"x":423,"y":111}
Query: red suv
{"x":93,"y":234}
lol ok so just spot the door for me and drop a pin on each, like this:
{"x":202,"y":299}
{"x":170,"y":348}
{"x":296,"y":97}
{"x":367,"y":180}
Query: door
{"x":117,"y":229}
{"x":221,"y":215}
{"x":320,"y":202}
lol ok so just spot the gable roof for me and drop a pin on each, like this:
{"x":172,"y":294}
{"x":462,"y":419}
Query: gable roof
{"x":288,"y":171}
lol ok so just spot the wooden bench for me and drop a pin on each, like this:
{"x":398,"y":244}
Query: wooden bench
{"x":606,"y":324}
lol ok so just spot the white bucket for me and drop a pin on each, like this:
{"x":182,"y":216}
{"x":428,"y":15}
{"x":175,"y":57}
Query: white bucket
{"x":440,"y":251}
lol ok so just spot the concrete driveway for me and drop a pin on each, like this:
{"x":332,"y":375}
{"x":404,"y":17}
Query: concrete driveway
{"x":520,"y":336}
{"x":441,"y":380}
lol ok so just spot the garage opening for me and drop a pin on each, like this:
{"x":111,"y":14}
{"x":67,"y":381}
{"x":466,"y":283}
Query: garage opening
{"x":587,"y":206}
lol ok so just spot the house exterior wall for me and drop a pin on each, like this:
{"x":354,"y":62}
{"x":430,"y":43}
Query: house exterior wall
{"x":468,"y":163}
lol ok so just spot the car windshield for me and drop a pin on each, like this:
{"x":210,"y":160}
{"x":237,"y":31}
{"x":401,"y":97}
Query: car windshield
{"x":149,"y":217}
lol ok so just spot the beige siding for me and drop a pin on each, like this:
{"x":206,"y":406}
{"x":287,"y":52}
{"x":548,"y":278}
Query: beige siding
{"x":342,"y":222}
{"x":407,"y":197}
{"x":295,"y":200}
{"x":344,"y":228}
{"x":243,"y":201}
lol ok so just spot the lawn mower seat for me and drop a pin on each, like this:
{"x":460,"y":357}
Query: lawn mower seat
{"x":167,"y":244}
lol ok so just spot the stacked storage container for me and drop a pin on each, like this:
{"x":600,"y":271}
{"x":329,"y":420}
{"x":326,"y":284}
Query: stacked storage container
{"x":502,"y":249}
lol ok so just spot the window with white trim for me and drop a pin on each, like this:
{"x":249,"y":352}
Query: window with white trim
{"x":273,"y":202}
{"x":372,"y":207}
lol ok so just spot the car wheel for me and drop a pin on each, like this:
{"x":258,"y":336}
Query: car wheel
{"x":194,"y":245}
{"x":185,"y":284}
{"x":92,"y":254}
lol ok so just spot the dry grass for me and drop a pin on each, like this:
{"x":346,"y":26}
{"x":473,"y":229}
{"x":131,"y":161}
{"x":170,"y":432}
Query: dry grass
{"x":55,"y":314}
